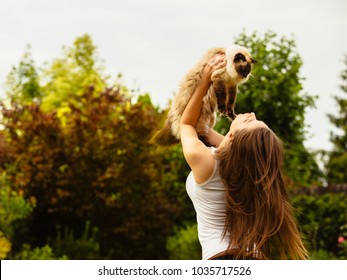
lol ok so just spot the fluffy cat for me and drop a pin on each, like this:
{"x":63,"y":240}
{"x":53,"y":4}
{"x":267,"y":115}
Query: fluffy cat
{"x":221,"y":94}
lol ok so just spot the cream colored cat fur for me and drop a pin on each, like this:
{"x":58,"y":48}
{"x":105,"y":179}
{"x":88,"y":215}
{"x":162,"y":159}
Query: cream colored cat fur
{"x":221,"y":94}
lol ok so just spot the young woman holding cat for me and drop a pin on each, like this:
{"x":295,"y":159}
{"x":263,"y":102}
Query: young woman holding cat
{"x":237,"y":188}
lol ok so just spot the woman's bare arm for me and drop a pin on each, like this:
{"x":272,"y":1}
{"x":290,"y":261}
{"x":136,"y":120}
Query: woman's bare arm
{"x":195,"y":152}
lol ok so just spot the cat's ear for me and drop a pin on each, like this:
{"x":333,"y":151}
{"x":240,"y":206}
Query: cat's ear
{"x":239,"y":57}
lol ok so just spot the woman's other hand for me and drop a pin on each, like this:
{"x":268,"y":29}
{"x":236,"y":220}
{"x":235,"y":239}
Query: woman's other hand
{"x":215,"y":63}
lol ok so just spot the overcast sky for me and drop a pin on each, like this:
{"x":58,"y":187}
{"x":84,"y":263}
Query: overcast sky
{"x":153,"y":43}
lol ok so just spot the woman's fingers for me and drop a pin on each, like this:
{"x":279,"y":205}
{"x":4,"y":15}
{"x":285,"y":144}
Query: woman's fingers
{"x":217,"y":59}
{"x":215,"y":63}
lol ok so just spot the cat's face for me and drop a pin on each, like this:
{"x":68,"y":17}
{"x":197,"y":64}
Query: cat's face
{"x":239,"y":63}
{"x":243,"y":64}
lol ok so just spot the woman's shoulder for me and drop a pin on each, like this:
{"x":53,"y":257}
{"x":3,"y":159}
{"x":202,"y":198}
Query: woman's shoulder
{"x":206,"y":166}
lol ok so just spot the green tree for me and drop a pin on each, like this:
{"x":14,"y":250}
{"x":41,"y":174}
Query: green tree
{"x":337,"y":163}
{"x":274,"y":93}
{"x":68,"y":77}
{"x":63,"y":80}
{"x":23,"y":82}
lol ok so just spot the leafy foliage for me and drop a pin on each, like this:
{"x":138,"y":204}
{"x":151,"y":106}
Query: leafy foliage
{"x":13,"y":207}
{"x":85,"y":247}
{"x":37,"y":253}
{"x":5,"y":246}
{"x":80,"y":150}
{"x":23,"y":82}
{"x":184,"y":245}
{"x":96,"y":165}
{"x":342,"y":241}
{"x":320,"y":219}
{"x":70,"y":76}
{"x":336,"y":166}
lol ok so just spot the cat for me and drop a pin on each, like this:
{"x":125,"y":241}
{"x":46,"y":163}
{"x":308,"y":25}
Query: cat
{"x":221,"y":94}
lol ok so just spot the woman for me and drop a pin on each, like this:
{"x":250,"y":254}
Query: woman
{"x":237,"y":188}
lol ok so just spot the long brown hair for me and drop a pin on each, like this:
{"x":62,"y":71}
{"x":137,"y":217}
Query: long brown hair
{"x":259,"y":221}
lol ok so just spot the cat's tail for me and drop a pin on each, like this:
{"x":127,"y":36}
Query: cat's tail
{"x":164,"y":136}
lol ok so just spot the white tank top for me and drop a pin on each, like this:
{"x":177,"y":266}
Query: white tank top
{"x":209,"y":202}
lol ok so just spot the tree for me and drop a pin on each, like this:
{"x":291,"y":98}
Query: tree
{"x":99,"y":167}
{"x":68,"y":77}
{"x":337,"y":163}
{"x":23,"y":82}
{"x":274,"y":93}
{"x":61,"y":81}
{"x":80,"y":148}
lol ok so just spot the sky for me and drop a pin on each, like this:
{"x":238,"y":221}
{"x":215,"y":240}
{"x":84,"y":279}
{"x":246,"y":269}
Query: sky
{"x":153,"y":43}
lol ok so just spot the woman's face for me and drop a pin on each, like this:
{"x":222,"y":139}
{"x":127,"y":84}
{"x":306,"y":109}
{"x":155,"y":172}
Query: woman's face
{"x":242,"y":121}
{"x":245,"y":121}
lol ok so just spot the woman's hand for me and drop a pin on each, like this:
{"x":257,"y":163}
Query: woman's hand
{"x":215,"y":63}
{"x":192,"y":111}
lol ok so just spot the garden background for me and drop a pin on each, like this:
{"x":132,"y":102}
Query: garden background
{"x":79,"y":179}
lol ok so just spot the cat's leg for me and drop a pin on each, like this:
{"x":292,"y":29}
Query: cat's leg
{"x":220,"y":91}
{"x":232,"y":92}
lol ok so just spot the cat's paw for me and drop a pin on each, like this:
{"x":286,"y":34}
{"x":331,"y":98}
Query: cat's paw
{"x":222,"y":109}
{"x":231,"y":114}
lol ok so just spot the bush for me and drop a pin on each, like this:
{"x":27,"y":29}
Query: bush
{"x":342,"y":242}
{"x":13,"y":207}
{"x":322,"y":255}
{"x":320,"y":219}
{"x":96,"y":165}
{"x":84,"y":248}
{"x":184,"y":245}
{"x":38,"y":253}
